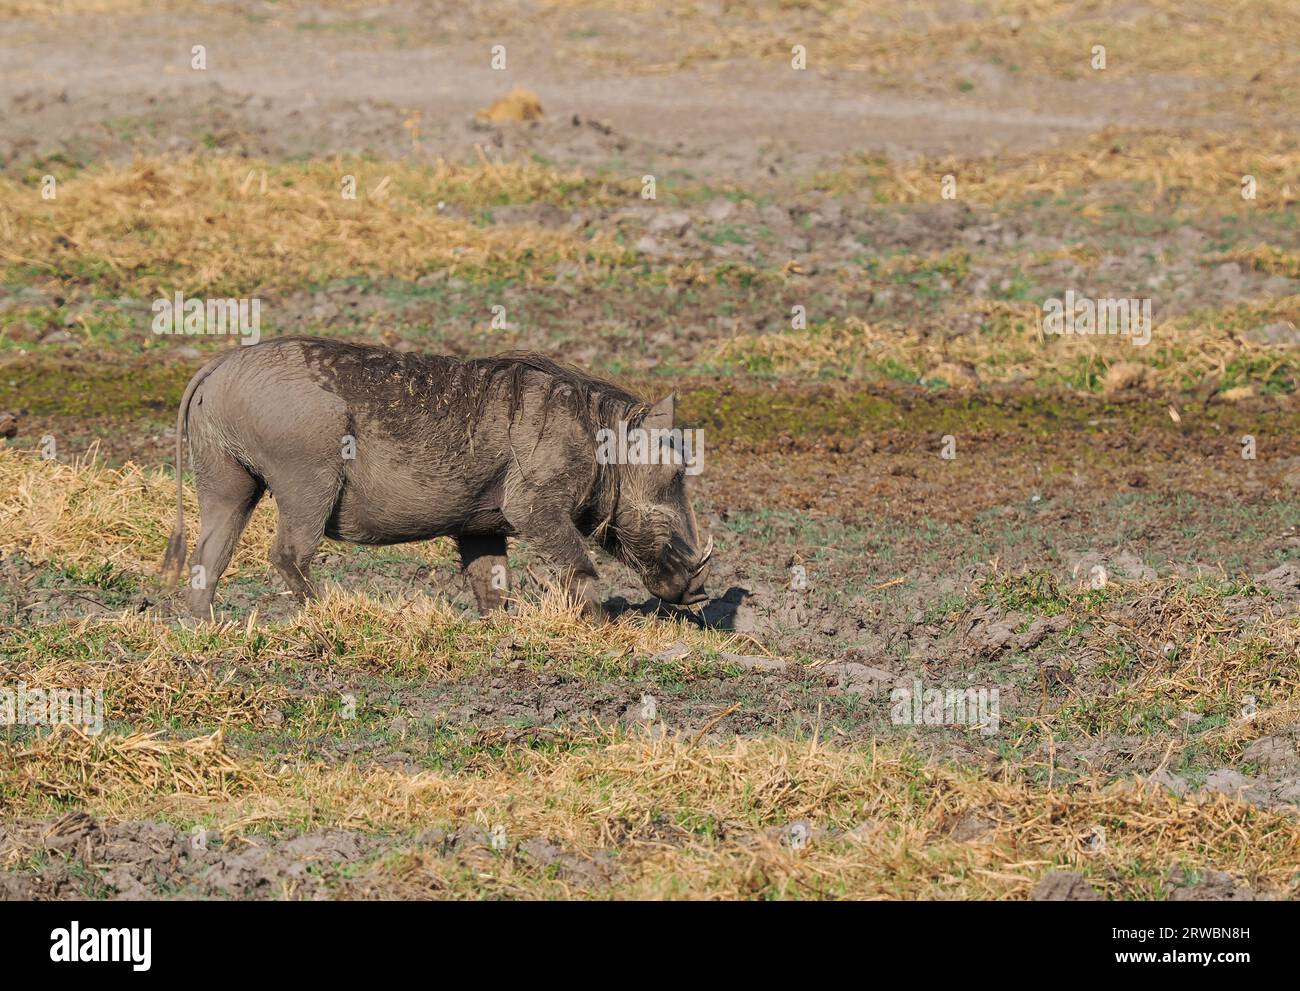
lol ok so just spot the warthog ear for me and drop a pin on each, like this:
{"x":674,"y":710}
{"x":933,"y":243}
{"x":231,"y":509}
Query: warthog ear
{"x":661,"y":417}
{"x":662,"y":414}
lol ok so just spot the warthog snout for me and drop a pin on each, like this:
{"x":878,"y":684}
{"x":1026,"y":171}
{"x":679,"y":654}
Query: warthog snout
{"x":683,"y":585}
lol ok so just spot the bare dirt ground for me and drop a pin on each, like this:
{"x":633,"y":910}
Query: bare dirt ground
{"x":853,"y":558}
{"x":286,"y":80}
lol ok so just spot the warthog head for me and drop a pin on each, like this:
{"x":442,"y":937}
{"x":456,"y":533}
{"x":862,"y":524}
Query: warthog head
{"x":652,"y":527}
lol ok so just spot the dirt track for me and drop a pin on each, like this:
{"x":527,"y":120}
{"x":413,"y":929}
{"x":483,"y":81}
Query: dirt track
{"x":318,"y":81}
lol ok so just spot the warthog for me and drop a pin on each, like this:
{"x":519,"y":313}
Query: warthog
{"x":373,"y":446}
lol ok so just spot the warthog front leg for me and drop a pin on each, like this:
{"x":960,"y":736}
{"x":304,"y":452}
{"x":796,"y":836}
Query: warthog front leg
{"x":483,"y":560}
{"x":555,"y":536}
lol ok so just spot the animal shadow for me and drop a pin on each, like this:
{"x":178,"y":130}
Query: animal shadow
{"x":717,"y":614}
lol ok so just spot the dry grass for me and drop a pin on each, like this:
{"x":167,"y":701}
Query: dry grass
{"x":151,"y":662}
{"x":1148,"y":173}
{"x":1010,"y":347}
{"x":707,"y":821}
{"x":691,"y":820}
{"x":223,"y":227}
{"x":1266,"y":258}
{"x":1175,"y":648}
{"x":70,"y":765}
{"x":153,"y":682}
{"x":430,"y":636}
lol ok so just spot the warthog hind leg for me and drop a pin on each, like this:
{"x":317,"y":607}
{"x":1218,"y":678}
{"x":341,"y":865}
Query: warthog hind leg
{"x":228,"y":494}
{"x":301,"y":528}
{"x":484,"y":561}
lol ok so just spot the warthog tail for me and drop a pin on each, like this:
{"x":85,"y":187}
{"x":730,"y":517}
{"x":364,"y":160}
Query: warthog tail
{"x":174,"y":559}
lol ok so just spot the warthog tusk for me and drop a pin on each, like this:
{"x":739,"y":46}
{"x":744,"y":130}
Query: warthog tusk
{"x":704,"y":558}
